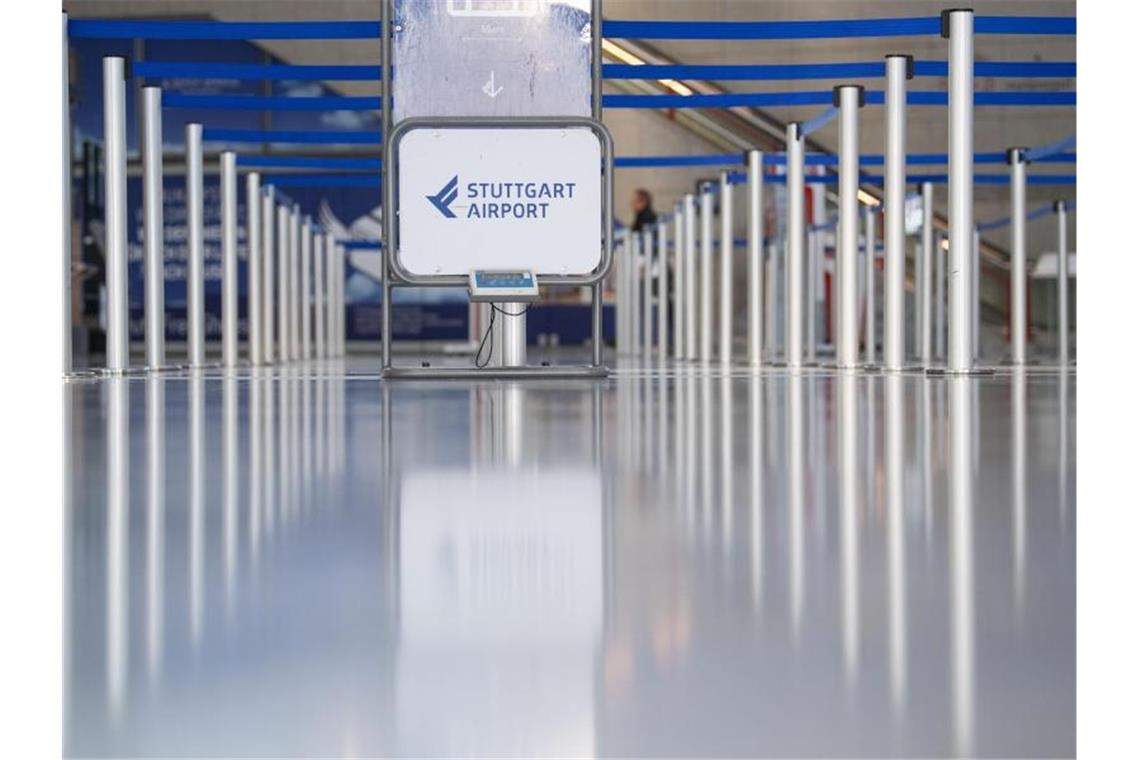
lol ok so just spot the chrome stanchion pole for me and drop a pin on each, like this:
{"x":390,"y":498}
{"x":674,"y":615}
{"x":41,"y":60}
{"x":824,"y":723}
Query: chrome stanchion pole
{"x":330,"y":295}
{"x":849,"y":98}
{"x":726,"y":248}
{"x":706,"y":273}
{"x":815,"y":246}
{"x":755,"y":258}
{"x":794,"y":264}
{"x":295,"y":282}
{"x":958,"y":25}
{"x":283,"y":283}
{"x":67,"y":358}
{"x":925,"y":275}
{"x":195,"y":253}
{"x":115,"y":213}
{"x":869,"y":289}
{"x":899,"y":70}
{"x":229,"y":260}
{"x":1017,"y":273}
{"x":1062,"y":283}
{"x":940,"y":257}
{"x":306,"y":302}
{"x":253,"y":258}
{"x":634,"y":282}
{"x":341,"y":308}
{"x":646,"y":347}
{"x":621,"y":269}
{"x":267,"y":256}
{"x":153,"y":231}
{"x":691,"y":350}
{"x":679,"y":281}
{"x":319,"y":294}
{"x":663,"y":290}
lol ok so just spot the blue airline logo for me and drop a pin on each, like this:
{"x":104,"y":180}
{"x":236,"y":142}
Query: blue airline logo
{"x":445,"y":197}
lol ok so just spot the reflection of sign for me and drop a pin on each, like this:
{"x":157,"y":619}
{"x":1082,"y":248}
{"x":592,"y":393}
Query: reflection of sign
{"x":499,"y":199}
{"x":913,"y":214}
{"x":492,"y":8}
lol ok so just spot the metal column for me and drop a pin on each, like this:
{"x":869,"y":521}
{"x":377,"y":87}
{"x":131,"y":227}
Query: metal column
{"x":229,"y":259}
{"x":679,"y":282}
{"x":663,"y":290}
{"x":755,"y":258}
{"x":295,"y":282}
{"x":154,"y":265}
{"x":794,"y":271}
{"x":306,"y":303}
{"x":1017,"y":274}
{"x":283,"y":283}
{"x":976,"y":306}
{"x":67,"y":184}
{"x":253,"y":257}
{"x":319,"y":294}
{"x":959,"y":26}
{"x":940,"y":257}
{"x":706,"y":274}
{"x":869,"y":289}
{"x":848,"y":98}
{"x":691,"y":350}
{"x":646,"y":347}
{"x":267,"y":257}
{"x":115,"y":213}
{"x":196,"y":265}
{"x":726,"y":248}
{"x":894,"y":213}
{"x":341,"y":310}
{"x":330,"y":295}
{"x":925,"y":275}
{"x":1062,"y":282}
{"x":634,"y":292}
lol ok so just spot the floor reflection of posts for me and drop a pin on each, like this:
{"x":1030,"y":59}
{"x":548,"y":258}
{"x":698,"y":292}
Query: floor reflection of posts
{"x":229,"y":487}
{"x":1017,"y":420}
{"x":895,"y":444}
{"x":795,"y":454}
{"x":848,"y":424}
{"x":118,"y":542}
{"x":961,"y":492}
{"x":197,"y":514}
{"x":155,"y":521}
{"x":756,"y":486}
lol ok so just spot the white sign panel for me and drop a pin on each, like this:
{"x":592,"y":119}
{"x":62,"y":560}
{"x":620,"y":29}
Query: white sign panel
{"x":495,"y":198}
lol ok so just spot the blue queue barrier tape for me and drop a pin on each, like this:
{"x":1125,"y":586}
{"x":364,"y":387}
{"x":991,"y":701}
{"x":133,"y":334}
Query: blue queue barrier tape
{"x":815,"y":159}
{"x":648,"y":162}
{"x":802,"y":71}
{"x":824,"y":98}
{"x":310,"y":162}
{"x":118,"y":29}
{"x":1059,"y":25}
{"x":1052,"y":149}
{"x":299,"y":137}
{"x":937,"y":179}
{"x":322,"y":180}
{"x":255,"y":71}
{"x":361,"y":245}
{"x":772,"y":30}
{"x":270,"y":102}
{"x":817,"y":122}
{"x":1036,"y":213}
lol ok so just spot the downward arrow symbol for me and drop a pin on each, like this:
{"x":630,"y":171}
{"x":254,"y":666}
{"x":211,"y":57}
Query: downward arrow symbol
{"x":489,"y":88}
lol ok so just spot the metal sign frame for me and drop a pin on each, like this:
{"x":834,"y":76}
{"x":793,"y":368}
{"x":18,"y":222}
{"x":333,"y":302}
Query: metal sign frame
{"x":394,"y":276}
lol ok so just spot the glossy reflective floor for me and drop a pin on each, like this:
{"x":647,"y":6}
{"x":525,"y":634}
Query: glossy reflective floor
{"x":671,"y":562}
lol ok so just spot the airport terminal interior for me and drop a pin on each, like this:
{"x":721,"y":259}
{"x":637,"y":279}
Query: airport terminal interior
{"x":570,"y":378}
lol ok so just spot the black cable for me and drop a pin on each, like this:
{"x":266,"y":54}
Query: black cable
{"x":490,"y":348}
{"x":510,"y":313}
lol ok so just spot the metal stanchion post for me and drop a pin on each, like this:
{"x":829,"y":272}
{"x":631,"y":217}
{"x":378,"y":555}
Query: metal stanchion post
{"x":229,"y":259}
{"x":869,"y":290}
{"x":958,"y":25}
{"x":940,"y":257}
{"x":899,"y":70}
{"x":706,"y":274}
{"x":925,"y":275}
{"x":663,"y":290}
{"x":306,"y":301}
{"x":1062,"y":282}
{"x":341,"y":307}
{"x":848,"y":98}
{"x":815,"y":246}
{"x":646,"y":347}
{"x":794,"y":264}
{"x":283,"y":283}
{"x":295,"y":282}
{"x":1017,"y":273}
{"x":691,"y":349}
{"x":253,"y":257}
{"x":67,"y":358}
{"x":634,"y":256}
{"x":268,"y":221}
{"x":726,"y":248}
{"x":153,"y":231}
{"x":330,"y":295}
{"x":976,"y":310}
{"x":755,"y":258}
{"x":195,"y":254}
{"x":115,"y":213}
{"x":678,"y":281}
{"x":319,"y":294}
